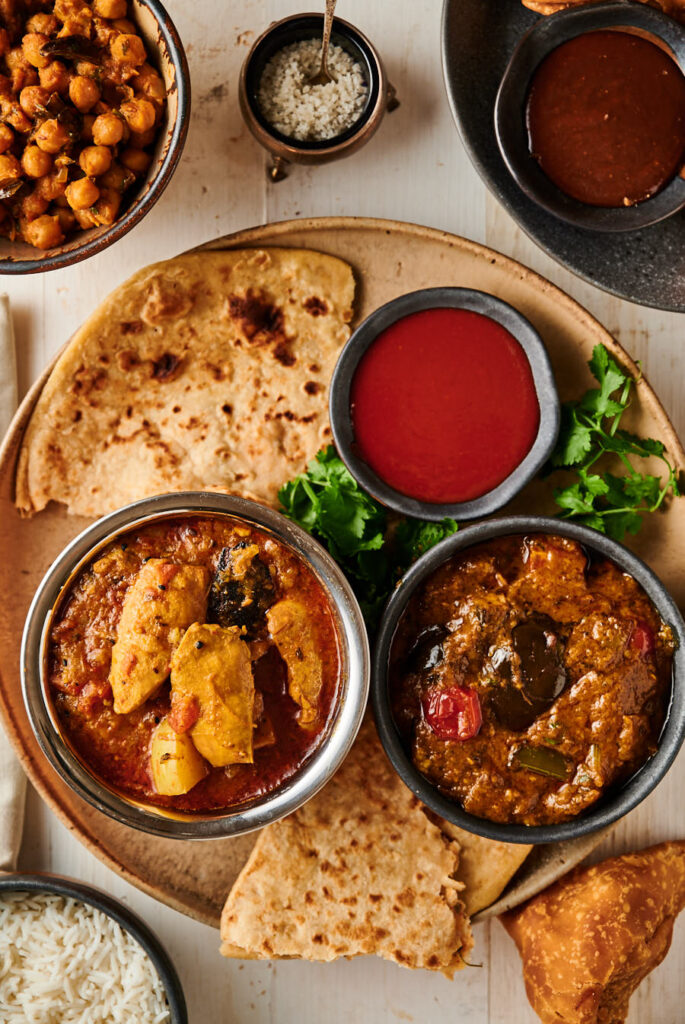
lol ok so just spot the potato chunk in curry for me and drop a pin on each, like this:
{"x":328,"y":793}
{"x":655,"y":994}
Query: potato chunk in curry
{"x":174,"y":760}
{"x":163,"y":601}
{"x":213,"y":664}
{"x":291,"y":629}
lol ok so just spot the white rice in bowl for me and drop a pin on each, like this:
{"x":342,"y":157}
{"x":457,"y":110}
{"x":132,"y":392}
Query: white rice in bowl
{"x":64,"y":962}
{"x":311,"y":112}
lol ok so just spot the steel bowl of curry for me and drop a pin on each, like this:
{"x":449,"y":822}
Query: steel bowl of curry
{"x":590,"y":115}
{"x":195,"y":665}
{"x":528,"y":679}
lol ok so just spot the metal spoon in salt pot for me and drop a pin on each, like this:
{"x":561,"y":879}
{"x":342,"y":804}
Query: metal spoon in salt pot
{"x":323,"y":75}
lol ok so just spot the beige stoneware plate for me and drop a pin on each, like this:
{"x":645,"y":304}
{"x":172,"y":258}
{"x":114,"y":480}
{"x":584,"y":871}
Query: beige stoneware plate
{"x":389,"y":258}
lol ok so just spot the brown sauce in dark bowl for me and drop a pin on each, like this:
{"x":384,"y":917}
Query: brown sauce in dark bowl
{"x":606,"y":118}
{"x":527,"y":679}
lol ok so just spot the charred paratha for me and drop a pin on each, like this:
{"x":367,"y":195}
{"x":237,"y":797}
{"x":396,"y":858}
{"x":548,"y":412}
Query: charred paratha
{"x":359,"y":869}
{"x":208,"y":371}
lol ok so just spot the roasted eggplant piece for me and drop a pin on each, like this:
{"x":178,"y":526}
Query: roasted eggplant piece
{"x":543,"y":674}
{"x":242,"y":590}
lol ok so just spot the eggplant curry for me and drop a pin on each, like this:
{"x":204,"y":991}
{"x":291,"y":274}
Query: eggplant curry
{"x":528,"y":677}
{"x":195,"y":663}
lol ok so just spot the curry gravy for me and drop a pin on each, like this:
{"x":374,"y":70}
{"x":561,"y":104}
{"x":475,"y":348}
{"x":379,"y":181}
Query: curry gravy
{"x":567,"y":660}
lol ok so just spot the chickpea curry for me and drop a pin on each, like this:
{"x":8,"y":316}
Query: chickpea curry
{"x":529,"y":676}
{"x":80,"y":107}
{"x":194,"y":664}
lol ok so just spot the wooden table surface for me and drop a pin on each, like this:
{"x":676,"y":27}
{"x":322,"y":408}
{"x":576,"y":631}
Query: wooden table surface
{"x":415,"y":169}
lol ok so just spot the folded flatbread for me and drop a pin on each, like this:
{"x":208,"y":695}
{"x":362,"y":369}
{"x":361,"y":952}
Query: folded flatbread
{"x":359,"y":869}
{"x":589,"y":940}
{"x":674,"y":8}
{"x":209,"y":371}
{"x":485,"y":866}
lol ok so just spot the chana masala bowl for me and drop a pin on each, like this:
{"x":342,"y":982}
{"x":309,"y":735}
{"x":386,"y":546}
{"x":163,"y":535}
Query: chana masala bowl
{"x":528,"y":679}
{"x":195,"y":665}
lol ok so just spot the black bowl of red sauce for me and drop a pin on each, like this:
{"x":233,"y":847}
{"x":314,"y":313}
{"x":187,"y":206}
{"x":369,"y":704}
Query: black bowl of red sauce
{"x":590,"y":115}
{"x":443,"y":403}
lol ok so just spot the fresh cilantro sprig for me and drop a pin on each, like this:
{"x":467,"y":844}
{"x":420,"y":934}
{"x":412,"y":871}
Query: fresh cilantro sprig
{"x":372,"y":550}
{"x":590,"y":430}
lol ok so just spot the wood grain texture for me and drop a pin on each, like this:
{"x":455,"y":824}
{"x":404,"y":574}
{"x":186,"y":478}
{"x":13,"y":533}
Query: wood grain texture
{"x":416,"y":170}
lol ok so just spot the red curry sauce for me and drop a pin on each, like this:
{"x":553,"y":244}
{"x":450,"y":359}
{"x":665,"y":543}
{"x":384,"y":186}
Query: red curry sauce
{"x":116,"y":747}
{"x":444,"y":406}
{"x":606,"y":118}
{"x":527,"y":678}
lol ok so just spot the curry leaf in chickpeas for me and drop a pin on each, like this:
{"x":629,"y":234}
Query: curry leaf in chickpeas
{"x":80,"y":106}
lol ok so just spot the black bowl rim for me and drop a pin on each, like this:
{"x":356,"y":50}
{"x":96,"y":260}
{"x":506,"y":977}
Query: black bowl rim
{"x":151,"y":192}
{"x":342,"y":29}
{"x":543,"y":37}
{"x":40,"y":882}
{"x":636,"y":788}
{"x":545,"y":388}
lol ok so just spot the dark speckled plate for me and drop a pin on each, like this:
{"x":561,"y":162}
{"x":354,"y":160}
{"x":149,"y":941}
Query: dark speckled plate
{"x":646,"y":266}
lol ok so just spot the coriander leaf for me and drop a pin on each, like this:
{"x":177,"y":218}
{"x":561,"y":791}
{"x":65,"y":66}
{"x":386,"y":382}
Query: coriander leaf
{"x":413,"y":537}
{"x":593,"y":483}
{"x":573,"y":499}
{"x":617,"y":526}
{"x":606,"y":371}
{"x":328,"y":502}
{"x":575,"y":439}
{"x":641,"y":445}
{"x":590,"y":441}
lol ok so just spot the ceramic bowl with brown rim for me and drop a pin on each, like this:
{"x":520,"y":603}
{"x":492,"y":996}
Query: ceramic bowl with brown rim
{"x":166,"y":54}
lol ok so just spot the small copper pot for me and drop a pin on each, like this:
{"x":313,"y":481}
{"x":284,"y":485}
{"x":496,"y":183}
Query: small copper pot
{"x":285,"y":150}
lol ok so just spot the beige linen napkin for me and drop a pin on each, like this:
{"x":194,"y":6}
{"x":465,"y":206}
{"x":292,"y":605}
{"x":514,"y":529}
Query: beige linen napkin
{"x":12,"y":778}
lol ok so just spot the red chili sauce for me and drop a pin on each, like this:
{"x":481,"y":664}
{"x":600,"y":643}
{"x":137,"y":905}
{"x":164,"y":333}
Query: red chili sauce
{"x":606,"y":118}
{"x":444,"y":406}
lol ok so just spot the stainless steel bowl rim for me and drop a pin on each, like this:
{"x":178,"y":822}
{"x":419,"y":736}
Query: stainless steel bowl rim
{"x":364,"y":336}
{"x":617,"y":804}
{"x":316,"y":771}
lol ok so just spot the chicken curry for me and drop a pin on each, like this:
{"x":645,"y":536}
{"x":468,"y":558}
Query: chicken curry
{"x":528,"y":677}
{"x":195,"y":663}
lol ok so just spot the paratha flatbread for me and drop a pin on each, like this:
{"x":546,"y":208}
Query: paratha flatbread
{"x":209,"y":371}
{"x":359,"y":869}
{"x":485,"y":866}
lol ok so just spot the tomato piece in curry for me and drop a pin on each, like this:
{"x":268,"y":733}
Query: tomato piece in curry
{"x":210,"y":709}
{"x":528,"y":677}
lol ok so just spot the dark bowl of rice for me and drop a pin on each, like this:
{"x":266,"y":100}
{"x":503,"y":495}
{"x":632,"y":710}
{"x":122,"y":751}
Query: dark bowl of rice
{"x":73,"y":952}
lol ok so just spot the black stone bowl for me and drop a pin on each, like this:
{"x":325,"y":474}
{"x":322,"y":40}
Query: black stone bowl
{"x":510,"y":112}
{"x":543,"y":378}
{"x":130,"y":922}
{"x":622,"y":798}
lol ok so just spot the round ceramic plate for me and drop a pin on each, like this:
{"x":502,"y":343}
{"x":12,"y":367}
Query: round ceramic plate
{"x":388,"y":259}
{"x":646,"y":266}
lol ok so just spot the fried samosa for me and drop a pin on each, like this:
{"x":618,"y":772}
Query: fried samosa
{"x":589,"y":940}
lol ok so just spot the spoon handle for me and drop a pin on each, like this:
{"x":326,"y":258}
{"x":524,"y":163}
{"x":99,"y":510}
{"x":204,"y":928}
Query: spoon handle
{"x":327,"y":26}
